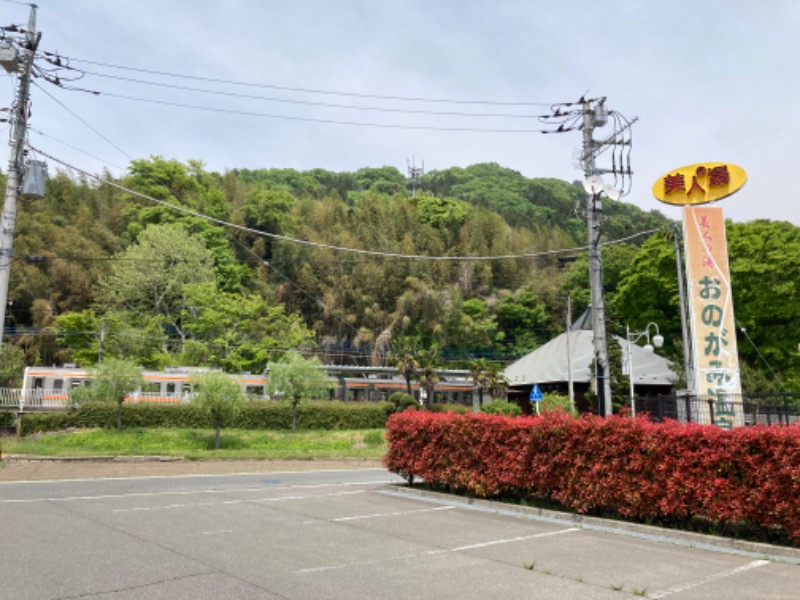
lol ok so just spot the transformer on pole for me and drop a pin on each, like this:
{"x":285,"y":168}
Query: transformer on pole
{"x":587,"y":114}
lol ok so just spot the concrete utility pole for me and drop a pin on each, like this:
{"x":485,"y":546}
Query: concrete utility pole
{"x":19,"y":119}
{"x":595,"y":115}
{"x":587,"y":114}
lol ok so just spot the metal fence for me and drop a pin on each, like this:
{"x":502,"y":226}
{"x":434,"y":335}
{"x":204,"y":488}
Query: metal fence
{"x":727,"y":411}
{"x":13,"y":399}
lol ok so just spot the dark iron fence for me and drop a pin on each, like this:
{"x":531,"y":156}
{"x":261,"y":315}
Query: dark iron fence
{"x":730,"y":410}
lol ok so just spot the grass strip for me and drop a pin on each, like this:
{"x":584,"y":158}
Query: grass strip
{"x":199,"y":443}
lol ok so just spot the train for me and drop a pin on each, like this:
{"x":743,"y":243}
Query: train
{"x":50,"y":387}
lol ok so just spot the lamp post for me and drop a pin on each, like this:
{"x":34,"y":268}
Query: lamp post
{"x":633,"y":337}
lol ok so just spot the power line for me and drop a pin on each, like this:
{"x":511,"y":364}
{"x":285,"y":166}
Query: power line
{"x":307,"y":102}
{"x":82,"y":120}
{"x":68,"y":145}
{"x":321,"y":121}
{"x":317,"y":244}
{"x":307,"y":90}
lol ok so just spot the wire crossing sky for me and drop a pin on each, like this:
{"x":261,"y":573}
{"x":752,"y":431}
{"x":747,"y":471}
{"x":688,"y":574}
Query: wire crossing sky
{"x":350,"y":84}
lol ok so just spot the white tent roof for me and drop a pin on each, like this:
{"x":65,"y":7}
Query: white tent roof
{"x":548,"y":364}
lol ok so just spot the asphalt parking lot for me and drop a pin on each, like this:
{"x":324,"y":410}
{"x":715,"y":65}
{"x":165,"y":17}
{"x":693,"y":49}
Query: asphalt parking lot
{"x":333,"y":534}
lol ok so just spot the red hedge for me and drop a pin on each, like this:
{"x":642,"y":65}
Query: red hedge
{"x":626,"y":466}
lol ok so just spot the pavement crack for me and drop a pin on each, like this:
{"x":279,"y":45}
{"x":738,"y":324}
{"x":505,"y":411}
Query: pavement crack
{"x":138,"y":587}
{"x":211,"y":569}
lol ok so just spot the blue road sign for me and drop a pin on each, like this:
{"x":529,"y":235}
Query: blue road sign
{"x":536,"y":393}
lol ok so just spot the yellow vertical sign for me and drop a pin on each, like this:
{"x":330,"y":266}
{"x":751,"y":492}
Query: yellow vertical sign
{"x":716,"y":359}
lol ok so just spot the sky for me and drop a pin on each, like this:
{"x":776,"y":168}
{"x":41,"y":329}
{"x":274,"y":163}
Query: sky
{"x":709,"y":81}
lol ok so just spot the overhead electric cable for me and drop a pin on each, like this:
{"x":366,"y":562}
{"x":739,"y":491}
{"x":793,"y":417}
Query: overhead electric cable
{"x":312,"y":90}
{"x":43,"y":134}
{"x":315,"y":120}
{"x":327,"y":246}
{"x":309,"y":102}
{"x":82,"y":120}
{"x":761,"y":356}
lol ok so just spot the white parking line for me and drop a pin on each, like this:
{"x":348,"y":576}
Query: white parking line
{"x":228,"y":502}
{"x":189,"y":493}
{"x":709,"y":579}
{"x":521,"y":538}
{"x":379,"y":515}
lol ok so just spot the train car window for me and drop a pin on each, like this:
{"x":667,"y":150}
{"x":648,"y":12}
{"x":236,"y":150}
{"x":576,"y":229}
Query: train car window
{"x":58,"y":384}
{"x":187,"y":388}
{"x":38,"y":383}
{"x":170,"y":388}
{"x":74,"y":383}
{"x":254,"y":390}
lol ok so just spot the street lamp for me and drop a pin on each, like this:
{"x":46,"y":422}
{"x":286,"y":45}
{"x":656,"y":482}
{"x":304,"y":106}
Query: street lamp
{"x":633,"y":337}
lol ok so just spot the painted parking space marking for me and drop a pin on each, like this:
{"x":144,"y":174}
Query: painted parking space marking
{"x":230,"y":502}
{"x":187,"y":493}
{"x":709,"y":579}
{"x":380,"y":515}
{"x":438,"y":551}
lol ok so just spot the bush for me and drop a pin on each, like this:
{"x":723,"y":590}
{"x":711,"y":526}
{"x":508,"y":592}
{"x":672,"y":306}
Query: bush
{"x":449,"y":408}
{"x":553,"y":401}
{"x":501,"y":407}
{"x":402,"y":401}
{"x":256,"y":414}
{"x":667,"y":473}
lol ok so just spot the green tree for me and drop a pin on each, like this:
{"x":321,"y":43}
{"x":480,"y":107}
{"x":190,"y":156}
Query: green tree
{"x":523,"y":320}
{"x":479,"y":373}
{"x":403,"y":357}
{"x":114,"y":380}
{"x":497,"y":382}
{"x":296,"y":378}
{"x":237,"y":331}
{"x":429,"y":378}
{"x":12,"y":365}
{"x":220,"y":397}
{"x":78,"y":335}
{"x":764,"y":261}
{"x":152,"y":276}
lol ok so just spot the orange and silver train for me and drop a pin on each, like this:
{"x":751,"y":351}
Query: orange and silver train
{"x":50,"y":387}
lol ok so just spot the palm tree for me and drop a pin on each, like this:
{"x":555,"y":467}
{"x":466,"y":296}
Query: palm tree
{"x":479,"y":372}
{"x":404,"y":358}
{"x":428,"y":376}
{"x":498,"y":384}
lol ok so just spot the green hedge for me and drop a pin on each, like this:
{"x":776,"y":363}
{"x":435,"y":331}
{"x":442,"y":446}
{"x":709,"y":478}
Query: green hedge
{"x":256,"y":415}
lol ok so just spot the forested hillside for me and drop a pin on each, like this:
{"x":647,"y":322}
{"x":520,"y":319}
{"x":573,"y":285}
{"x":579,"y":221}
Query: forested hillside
{"x":98,"y":268}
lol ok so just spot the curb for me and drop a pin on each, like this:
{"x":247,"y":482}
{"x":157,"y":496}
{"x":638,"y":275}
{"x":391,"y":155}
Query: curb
{"x":670,"y":536}
{"x":102,"y":458}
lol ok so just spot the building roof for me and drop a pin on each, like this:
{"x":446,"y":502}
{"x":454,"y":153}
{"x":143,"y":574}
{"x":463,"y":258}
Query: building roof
{"x":548,"y":364}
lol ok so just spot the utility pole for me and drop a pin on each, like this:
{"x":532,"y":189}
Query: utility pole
{"x":415,"y":173}
{"x":595,"y":115}
{"x":570,"y":385}
{"x":19,"y":119}
{"x":587,"y":114}
{"x":688,"y":360}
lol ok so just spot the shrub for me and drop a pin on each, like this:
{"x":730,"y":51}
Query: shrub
{"x":668,"y":473}
{"x":256,"y":414}
{"x":501,"y":407}
{"x":553,"y":401}
{"x":449,"y":408}
{"x":402,"y":401}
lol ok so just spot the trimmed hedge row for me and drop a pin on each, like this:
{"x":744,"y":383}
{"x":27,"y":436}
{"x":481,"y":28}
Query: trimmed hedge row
{"x":668,"y":473}
{"x":255,"y":415}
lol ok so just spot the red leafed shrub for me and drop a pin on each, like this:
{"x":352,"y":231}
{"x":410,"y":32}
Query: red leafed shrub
{"x":663,"y":472}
